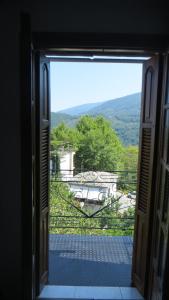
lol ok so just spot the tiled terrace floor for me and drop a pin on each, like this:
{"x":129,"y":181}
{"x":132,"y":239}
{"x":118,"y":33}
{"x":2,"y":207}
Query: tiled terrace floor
{"x":77,"y":260}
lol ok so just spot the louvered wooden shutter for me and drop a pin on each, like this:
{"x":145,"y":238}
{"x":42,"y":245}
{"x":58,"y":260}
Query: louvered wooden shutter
{"x":146,"y":168}
{"x":160,"y":250}
{"x":27,"y":156}
{"x":43,"y":127}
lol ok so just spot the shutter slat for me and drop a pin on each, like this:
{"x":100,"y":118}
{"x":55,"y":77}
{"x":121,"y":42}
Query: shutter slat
{"x":44,"y":114}
{"x":159,"y":288}
{"x":145,"y":172}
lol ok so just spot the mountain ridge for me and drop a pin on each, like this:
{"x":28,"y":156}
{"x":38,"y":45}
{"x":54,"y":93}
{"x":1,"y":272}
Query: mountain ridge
{"x":88,"y":107}
{"x":123,"y":114}
{"x":80,"y":109}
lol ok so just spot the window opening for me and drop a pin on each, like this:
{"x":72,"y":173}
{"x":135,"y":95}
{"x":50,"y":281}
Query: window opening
{"x":93,"y":169}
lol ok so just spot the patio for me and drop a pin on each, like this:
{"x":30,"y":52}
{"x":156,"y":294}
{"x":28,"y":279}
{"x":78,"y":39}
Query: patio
{"x":84,"y":260}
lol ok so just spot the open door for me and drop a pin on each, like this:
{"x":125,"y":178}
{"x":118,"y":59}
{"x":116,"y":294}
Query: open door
{"x":160,"y":263}
{"x":27,"y":56}
{"x":146,"y":173}
{"x":42,"y":167}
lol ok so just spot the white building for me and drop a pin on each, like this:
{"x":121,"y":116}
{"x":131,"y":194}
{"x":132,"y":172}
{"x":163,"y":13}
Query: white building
{"x":66,"y":164}
{"x":94,"y":187}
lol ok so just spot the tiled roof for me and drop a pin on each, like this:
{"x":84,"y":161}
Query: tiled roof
{"x":94,"y":178}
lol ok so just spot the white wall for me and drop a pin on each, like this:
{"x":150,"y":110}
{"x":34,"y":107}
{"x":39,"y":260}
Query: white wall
{"x":66,"y":164}
{"x":92,"y":193}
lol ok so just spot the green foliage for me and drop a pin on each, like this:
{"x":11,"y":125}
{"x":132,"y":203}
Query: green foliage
{"x":130,"y":158}
{"x":64,"y":136}
{"x":123,"y":115}
{"x":65,"y":218}
{"x":99,"y":147}
{"x":96,"y":143}
{"x":130,"y":161}
{"x":57,"y":118}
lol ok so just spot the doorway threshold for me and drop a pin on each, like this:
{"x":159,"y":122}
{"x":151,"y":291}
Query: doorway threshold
{"x":58,"y":292}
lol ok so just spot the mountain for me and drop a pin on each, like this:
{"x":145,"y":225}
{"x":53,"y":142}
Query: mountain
{"x":127,"y":105}
{"x":80,"y":109}
{"x":116,"y":106}
{"x":123,"y":114}
{"x":57,"y":118}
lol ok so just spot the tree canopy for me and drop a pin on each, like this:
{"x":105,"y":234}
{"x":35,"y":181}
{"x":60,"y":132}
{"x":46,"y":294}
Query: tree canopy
{"x":96,"y":144}
{"x":99,"y":147}
{"x":64,"y":136}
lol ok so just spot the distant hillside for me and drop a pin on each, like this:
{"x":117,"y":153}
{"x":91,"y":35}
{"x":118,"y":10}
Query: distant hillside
{"x":80,"y":109}
{"x":123,"y":114}
{"x":124,"y":106}
{"x":57,"y":118}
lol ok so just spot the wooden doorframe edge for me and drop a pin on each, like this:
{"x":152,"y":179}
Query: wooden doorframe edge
{"x":45,"y":41}
{"x":26,"y":154}
{"x":122,"y":43}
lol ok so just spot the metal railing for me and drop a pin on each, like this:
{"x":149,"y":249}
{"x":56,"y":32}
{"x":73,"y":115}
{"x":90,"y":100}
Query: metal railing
{"x":92,"y":201}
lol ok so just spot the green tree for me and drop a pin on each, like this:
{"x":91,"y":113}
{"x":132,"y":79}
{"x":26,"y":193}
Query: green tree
{"x":61,"y":137}
{"x":99,"y":146}
{"x":130,"y":158}
{"x":64,"y":136}
{"x":130,"y":162}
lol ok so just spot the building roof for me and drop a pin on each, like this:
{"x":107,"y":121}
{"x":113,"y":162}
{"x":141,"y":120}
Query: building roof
{"x":94,"y":179}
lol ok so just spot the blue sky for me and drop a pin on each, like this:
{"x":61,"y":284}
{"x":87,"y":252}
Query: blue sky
{"x":74,"y":84}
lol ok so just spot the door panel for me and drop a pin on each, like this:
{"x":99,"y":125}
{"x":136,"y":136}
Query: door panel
{"x":28,"y":156}
{"x":161,"y":216}
{"x":42,"y":159}
{"x":146,"y":171}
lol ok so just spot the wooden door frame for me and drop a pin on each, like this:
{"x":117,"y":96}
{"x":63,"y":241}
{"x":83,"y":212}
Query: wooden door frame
{"x":26,"y":119}
{"x":128,"y":44}
{"x":157,"y":203}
